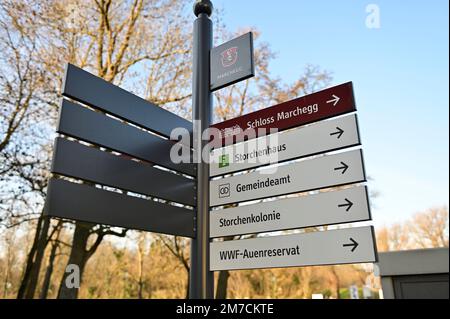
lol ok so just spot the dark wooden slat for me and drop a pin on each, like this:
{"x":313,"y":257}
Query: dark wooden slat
{"x":89,"y":204}
{"x":98,"y":93}
{"x":96,"y":128}
{"x":87,"y":163}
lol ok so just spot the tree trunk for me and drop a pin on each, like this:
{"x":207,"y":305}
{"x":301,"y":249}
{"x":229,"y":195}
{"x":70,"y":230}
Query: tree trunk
{"x":187,"y":286}
{"x":78,"y":256}
{"x":337,"y":282}
{"x":49,"y":271}
{"x":37,"y":262}
{"x":7,"y":272}
{"x":222,"y":281}
{"x":30,"y":257}
{"x":338,"y":293}
{"x":141,"y":274}
{"x":5,"y":283}
{"x":222,"y":284}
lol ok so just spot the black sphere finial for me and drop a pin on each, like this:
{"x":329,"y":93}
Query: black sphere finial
{"x":203,"y":6}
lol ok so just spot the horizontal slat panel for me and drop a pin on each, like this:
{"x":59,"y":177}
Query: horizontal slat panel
{"x":98,"y":93}
{"x":85,"y":203}
{"x":79,"y":161}
{"x":96,"y":128}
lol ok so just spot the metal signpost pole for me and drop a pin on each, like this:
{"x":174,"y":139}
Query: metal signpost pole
{"x":201,"y":284}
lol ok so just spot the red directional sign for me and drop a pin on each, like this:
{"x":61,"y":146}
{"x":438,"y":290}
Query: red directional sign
{"x":307,"y":109}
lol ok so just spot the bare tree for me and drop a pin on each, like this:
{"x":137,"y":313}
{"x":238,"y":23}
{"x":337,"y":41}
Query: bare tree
{"x":55,"y":244}
{"x":143,"y":240}
{"x":429,"y":229}
{"x":179,"y":248}
{"x":10,"y":259}
{"x":81,"y":251}
{"x":20,"y":80}
{"x":393,"y":238}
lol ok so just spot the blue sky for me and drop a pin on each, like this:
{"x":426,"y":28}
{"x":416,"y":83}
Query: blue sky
{"x":400,"y":76}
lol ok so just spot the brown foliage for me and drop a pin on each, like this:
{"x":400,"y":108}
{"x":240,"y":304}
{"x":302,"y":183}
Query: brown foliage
{"x":428,"y":229}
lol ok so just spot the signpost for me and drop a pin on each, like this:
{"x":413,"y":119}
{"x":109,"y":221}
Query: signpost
{"x":334,"y":207}
{"x":300,"y":142}
{"x":343,"y":246}
{"x":312,"y":174}
{"x":126,"y":161}
{"x":201,"y":279}
{"x":112,"y":166}
{"x":249,"y":142}
{"x":304,"y":110}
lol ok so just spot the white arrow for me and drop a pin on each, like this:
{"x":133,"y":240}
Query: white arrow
{"x":335,"y":100}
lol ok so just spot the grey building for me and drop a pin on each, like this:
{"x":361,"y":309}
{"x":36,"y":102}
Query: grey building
{"x":414,"y":274}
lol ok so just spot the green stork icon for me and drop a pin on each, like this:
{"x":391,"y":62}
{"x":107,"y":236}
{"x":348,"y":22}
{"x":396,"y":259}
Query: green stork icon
{"x":224,"y":161}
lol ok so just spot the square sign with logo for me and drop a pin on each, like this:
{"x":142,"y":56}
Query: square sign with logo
{"x":232,"y":62}
{"x":224,"y":190}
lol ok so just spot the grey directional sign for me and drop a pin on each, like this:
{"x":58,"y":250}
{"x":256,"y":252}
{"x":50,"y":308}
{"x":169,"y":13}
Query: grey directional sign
{"x":343,"y":246}
{"x":96,"y":128}
{"x":86,"y":203}
{"x":75,"y":160}
{"x":309,"y":140}
{"x":100,"y":94}
{"x":232,"y":62}
{"x":327,"y":208}
{"x":311,"y":174}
